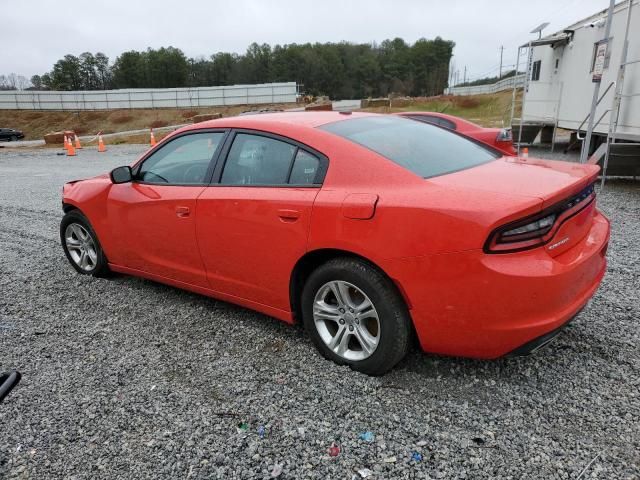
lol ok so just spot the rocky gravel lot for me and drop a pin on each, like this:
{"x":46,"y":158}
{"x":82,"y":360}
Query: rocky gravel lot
{"x":126,"y":378}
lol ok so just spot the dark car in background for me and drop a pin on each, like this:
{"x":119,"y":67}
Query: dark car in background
{"x":10,"y":135}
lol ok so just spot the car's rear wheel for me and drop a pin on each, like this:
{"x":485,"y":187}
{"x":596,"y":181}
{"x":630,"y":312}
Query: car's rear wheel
{"x":355,"y":316}
{"x":81,"y":245}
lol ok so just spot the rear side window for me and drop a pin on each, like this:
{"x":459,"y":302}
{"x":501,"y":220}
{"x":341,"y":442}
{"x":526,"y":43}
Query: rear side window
{"x":424,"y":149}
{"x":260,"y":160}
{"x":305,"y":169}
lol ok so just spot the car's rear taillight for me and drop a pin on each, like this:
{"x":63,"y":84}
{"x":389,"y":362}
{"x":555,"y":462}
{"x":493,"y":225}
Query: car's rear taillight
{"x":538,"y":229}
{"x":534,"y":229}
{"x":504,"y":135}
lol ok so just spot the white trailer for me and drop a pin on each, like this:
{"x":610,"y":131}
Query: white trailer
{"x":561,"y":71}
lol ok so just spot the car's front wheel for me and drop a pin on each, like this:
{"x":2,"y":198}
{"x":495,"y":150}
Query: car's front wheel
{"x":355,"y":316}
{"x":81,"y":245}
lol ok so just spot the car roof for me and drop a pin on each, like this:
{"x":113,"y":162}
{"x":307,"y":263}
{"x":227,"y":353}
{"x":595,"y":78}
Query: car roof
{"x":265,"y":120}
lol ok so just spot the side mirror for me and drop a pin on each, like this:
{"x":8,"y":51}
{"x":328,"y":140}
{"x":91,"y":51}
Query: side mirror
{"x":121,"y":174}
{"x":7,"y":382}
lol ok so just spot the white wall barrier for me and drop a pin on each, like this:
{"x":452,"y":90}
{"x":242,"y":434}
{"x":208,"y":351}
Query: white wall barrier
{"x":504,"y":84}
{"x":149,"y":98}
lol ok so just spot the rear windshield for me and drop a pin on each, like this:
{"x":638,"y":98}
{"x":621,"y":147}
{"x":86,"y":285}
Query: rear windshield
{"x":422,"y":148}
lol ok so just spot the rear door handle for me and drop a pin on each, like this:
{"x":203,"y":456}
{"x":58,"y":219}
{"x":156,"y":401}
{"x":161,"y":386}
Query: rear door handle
{"x":288,"y":215}
{"x":182,"y":212}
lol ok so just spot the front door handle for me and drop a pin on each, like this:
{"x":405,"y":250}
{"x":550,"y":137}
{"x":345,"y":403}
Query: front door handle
{"x":182,"y":212}
{"x":288,"y":215}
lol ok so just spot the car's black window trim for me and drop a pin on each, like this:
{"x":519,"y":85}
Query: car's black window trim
{"x":323,"y":160}
{"x":292,"y":163}
{"x":212,"y":161}
{"x":433,"y":120}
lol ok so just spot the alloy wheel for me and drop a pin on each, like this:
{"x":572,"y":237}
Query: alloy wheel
{"x":346,"y":320}
{"x":81,"y":246}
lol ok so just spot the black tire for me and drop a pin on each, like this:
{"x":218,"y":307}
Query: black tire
{"x":97,"y":268}
{"x":393,"y":316}
{"x":13,"y":138}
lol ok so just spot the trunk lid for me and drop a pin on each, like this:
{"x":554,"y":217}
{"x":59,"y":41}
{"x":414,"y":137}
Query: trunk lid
{"x":549,"y":180}
{"x":553,"y":183}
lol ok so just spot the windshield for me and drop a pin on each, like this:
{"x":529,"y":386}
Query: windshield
{"x":422,"y":148}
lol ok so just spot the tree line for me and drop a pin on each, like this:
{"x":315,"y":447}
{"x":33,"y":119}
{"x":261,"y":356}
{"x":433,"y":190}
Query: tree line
{"x":339,"y":70}
{"x":13,"y":82}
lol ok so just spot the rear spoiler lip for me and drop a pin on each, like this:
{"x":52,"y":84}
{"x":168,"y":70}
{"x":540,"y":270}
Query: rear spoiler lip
{"x":572,"y":189}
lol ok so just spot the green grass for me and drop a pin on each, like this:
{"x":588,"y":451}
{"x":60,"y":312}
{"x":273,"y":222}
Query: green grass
{"x":492,"y":110}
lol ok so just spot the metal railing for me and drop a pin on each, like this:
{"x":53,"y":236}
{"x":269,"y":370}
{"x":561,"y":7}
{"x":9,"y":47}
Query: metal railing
{"x":589,"y":114}
{"x":500,"y":85}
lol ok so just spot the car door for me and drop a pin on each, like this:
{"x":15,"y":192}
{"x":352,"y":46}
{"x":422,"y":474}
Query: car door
{"x":154,"y":215}
{"x":253,"y":223}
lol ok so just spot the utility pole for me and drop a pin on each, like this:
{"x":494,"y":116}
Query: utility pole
{"x":501,"y":51}
{"x":465,"y":75}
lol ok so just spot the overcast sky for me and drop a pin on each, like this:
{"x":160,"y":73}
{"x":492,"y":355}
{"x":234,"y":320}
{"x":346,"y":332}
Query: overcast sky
{"x":36,"y":33}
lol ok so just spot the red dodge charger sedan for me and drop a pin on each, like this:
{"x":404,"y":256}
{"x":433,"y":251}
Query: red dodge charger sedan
{"x":369,"y":229}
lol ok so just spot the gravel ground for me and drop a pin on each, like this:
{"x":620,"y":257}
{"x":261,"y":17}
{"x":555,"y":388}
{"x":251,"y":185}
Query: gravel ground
{"x":127,"y":378}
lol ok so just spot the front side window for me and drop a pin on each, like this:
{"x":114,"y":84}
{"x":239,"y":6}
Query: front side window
{"x":183,"y":161}
{"x":424,"y":149}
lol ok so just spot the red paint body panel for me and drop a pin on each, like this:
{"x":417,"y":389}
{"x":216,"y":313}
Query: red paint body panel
{"x":359,"y":206}
{"x":485,"y":306}
{"x":249,"y":246}
{"x":548,"y":180}
{"x":241,"y":243}
{"x":150,"y":231}
{"x":283,"y":315}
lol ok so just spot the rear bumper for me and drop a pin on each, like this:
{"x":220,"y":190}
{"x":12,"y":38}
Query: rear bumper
{"x":541,"y":341}
{"x":481,"y":305}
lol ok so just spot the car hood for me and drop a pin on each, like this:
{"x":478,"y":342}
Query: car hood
{"x":547,"y":180}
{"x":103,"y":176}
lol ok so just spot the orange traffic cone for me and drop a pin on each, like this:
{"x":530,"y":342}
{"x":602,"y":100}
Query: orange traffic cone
{"x":65,"y":144}
{"x":71,"y":151}
{"x":77,"y":140}
{"x":525,"y":152}
{"x":101,"y":147}
{"x":153,"y":138}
